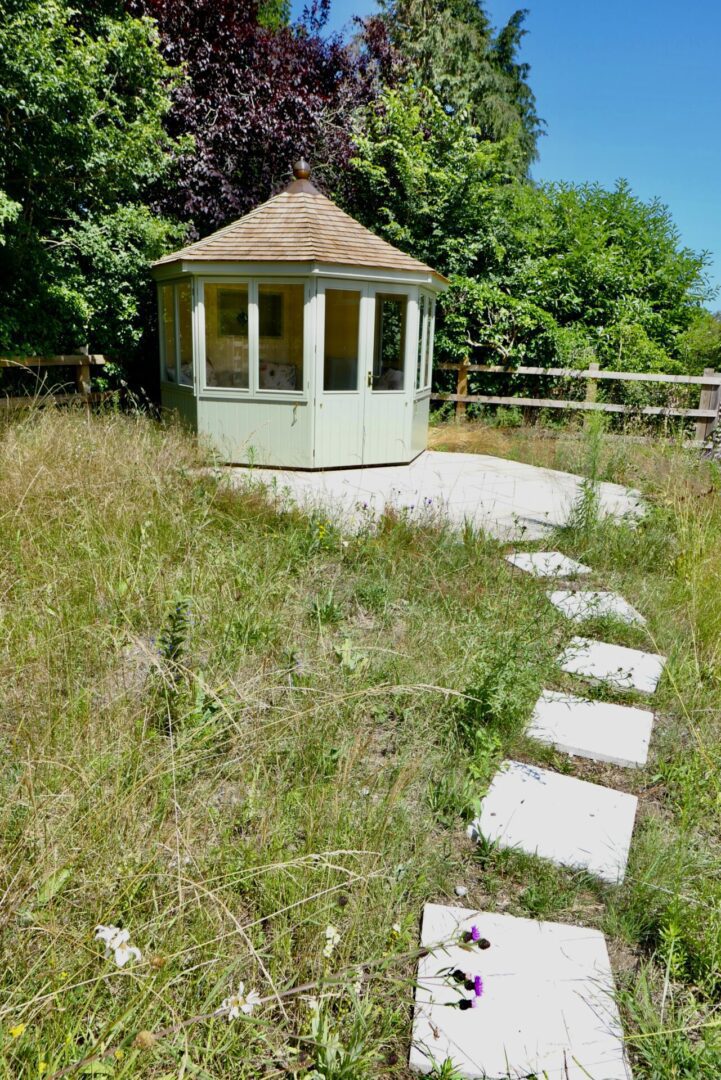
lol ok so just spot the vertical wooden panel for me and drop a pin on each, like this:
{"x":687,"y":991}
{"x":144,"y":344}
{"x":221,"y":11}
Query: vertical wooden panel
{"x":708,"y":399}
{"x":462,"y":388}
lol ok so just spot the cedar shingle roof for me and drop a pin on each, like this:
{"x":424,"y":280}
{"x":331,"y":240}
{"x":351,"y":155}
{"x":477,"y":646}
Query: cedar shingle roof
{"x":299,"y":225}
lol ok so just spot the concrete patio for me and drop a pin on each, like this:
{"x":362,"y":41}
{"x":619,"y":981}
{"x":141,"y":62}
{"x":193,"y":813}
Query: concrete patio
{"x":508,"y":499}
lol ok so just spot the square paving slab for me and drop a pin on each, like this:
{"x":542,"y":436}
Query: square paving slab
{"x":568,"y":821}
{"x":547,"y":564}
{"x":622,"y":668}
{"x":547,"y":1007}
{"x":583,"y":605}
{"x":592,"y":729}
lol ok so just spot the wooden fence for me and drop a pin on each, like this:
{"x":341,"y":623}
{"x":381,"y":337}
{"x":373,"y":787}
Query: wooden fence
{"x":706,"y":415}
{"x":82,"y":364}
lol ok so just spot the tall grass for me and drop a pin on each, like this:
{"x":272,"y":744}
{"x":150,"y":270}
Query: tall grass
{"x":225,"y":728}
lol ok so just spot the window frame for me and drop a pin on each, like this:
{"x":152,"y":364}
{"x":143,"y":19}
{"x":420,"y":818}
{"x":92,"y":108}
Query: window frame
{"x":341,"y":285}
{"x":174,"y":285}
{"x":253,"y":391}
{"x":409,"y":354}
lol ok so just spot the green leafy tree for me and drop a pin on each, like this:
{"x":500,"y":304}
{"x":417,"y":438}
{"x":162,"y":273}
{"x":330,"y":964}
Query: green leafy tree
{"x":83,"y":95}
{"x":699,"y":346}
{"x":425,"y":179}
{"x":452,"y":48}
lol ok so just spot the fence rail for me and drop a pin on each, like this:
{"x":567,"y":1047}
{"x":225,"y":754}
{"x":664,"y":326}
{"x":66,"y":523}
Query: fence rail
{"x":706,"y":415}
{"x":81,"y":362}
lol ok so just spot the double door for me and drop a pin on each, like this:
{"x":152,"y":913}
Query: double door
{"x":366,"y":341}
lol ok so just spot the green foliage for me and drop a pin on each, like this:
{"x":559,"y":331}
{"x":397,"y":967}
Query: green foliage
{"x":700,"y":345}
{"x":425,"y":179}
{"x":452,"y":47}
{"x":85,"y":96}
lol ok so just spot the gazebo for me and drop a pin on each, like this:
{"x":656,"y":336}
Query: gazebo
{"x":297,"y":338}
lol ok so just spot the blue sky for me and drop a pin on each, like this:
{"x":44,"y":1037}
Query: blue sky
{"x":627,"y":89}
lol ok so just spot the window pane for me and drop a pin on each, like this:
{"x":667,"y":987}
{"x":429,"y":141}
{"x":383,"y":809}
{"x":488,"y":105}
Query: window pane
{"x":280,"y":327}
{"x":431,"y":319}
{"x":185,"y":326}
{"x":422,"y":328}
{"x":390,"y":341}
{"x":342,"y":323}
{"x":226,"y":335}
{"x":167,"y":331}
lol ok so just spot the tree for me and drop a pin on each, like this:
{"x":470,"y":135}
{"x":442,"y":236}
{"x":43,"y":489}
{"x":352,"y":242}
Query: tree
{"x":451,"y":47}
{"x":257,"y":93}
{"x":83,"y":95}
{"x":602,"y":259}
{"x":700,"y":345}
{"x":425,"y":179}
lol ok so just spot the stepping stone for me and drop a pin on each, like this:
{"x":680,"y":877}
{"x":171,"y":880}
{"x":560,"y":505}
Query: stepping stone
{"x":620,"y":667}
{"x":545,"y":564}
{"x":547,"y":1007}
{"x":582,"y":605}
{"x":592,"y":729}
{"x":568,"y":821}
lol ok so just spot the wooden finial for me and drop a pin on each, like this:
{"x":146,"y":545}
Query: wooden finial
{"x":301,"y":169}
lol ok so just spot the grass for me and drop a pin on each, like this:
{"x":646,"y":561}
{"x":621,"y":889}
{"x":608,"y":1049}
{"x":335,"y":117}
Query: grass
{"x":225,"y":728}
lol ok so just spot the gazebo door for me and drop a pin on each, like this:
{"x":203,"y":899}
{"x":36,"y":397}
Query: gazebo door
{"x":364,"y":377}
{"x":339,"y":374}
{"x":389,"y":378}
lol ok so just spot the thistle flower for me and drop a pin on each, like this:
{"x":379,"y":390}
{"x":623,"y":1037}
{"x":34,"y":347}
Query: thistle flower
{"x":332,"y":937}
{"x":478,"y":986}
{"x":241,"y":1002}
{"x":116,"y":942}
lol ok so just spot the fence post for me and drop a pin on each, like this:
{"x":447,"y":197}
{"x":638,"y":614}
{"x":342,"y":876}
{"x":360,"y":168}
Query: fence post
{"x":82,"y":377}
{"x":591,"y":391}
{"x":708,"y":399}
{"x":462,"y":388}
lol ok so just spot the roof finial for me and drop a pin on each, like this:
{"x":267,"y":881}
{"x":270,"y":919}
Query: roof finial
{"x":301,"y":169}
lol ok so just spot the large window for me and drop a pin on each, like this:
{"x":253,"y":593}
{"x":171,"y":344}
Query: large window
{"x":226,"y":336}
{"x":389,"y":346}
{"x":342,"y":325}
{"x":176,"y":332}
{"x":280,"y":337}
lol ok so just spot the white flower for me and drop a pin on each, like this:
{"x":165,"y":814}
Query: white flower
{"x":116,"y":942}
{"x":332,"y":937}
{"x":241,"y":1003}
{"x":396,"y":928}
{"x":358,"y":984}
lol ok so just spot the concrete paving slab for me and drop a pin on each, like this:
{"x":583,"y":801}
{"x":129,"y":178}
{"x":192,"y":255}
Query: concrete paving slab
{"x":547,"y":564}
{"x":592,"y":729}
{"x":591,"y":604}
{"x":508,"y":499}
{"x":569,"y":821}
{"x":547,"y":1007}
{"x":617,"y":665}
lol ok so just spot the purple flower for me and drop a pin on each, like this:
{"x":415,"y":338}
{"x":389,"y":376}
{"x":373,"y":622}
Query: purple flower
{"x":478,"y":986}
{"x":475,"y":933}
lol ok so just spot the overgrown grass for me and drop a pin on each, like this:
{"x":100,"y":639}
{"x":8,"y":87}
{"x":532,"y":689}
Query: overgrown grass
{"x":225,"y":728}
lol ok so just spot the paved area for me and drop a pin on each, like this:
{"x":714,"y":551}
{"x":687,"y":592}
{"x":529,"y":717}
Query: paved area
{"x":547,"y":1007}
{"x":507,"y":499}
{"x":560,"y":818}
{"x":598,"y":730}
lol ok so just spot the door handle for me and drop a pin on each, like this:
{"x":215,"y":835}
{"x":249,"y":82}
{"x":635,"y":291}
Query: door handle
{"x":370,"y":378}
